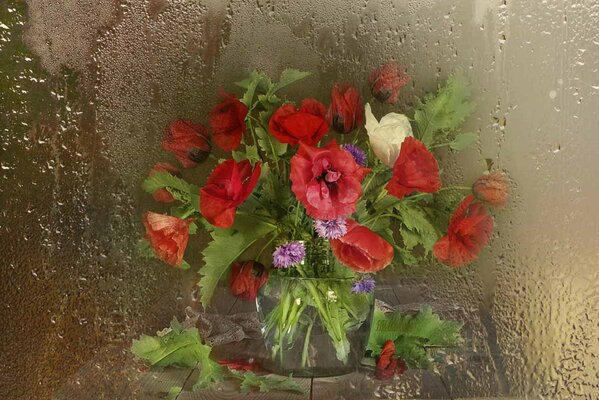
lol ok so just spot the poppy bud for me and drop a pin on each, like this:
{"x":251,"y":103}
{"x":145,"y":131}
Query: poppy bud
{"x":492,"y":189}
{"x":187,"y":141}
{"x":247,"y":278}
{"x":345,"y":112}
{"x":386,"y":81}
{"x":163,"y":195}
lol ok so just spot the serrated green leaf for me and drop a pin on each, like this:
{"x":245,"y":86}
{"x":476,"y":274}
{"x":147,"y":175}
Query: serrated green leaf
{"x":251,"y":152}
{"x":210,"y":372}
{"x":164,"y":179}
{"x":415,"y":218}
{"x":174,"y":392}
{"x":179,"y":348}
{"x":269,"y":144}
{"x":226,"y":247}
{"x":443,"y":112}
{"x":144,"y":249}
{"x":288,"y":76}
{"x":413,"y":334}
{"x":463,"y":140}
{"x":266,"y":383}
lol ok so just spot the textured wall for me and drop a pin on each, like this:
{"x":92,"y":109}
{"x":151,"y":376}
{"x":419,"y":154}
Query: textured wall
{"x":88,"y":85}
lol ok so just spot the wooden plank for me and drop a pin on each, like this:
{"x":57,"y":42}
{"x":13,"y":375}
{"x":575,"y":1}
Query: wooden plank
{"x":414,"y":384}
{"x":229,"y":389}
{"x":158,"y":383}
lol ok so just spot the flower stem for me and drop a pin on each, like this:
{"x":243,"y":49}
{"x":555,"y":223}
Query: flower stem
{"x":307,"y":344}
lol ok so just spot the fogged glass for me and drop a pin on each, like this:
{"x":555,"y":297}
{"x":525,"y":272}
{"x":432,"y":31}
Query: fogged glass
{"x":87,"y":88}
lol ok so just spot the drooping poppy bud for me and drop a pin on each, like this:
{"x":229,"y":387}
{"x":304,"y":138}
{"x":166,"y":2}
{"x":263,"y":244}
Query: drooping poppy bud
{"x":163,"y":195}
{"x":386,"y":82}
{"x":345,"y":112}
{"x":492,"y":189}
{"x":247,"y":278}
{"x":187,"y":141}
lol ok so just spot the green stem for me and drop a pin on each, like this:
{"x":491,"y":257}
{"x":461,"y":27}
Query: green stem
{"x":307,"y":344}
{"x":266,"y":246}
{"x":369,"y":182}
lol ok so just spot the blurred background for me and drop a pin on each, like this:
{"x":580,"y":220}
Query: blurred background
{"x":88,"y":86}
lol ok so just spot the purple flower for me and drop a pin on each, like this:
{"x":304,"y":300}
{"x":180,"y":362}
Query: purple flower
{"x":288,"y":254}
{"x":357,"y":153}
{"x":330,"y":229}
{"x":364,"y":285}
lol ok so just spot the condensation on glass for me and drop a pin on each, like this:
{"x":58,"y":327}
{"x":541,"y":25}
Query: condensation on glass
{"x":88,"y":86}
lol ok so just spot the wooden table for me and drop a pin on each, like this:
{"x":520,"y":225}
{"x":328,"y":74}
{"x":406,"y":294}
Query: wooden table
{"x":452,"y":382}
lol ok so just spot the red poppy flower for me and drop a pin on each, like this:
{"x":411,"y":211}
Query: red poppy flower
{"x":327,"y":180}
{"x":247,"y":278}
{"x":415,"y":170}
{"x":469,"y":231}
{"x":168,"y":236}
{"x":386,"y":82}
{"x":386,"y":364}
{"x":241,"y":365}
{"x":229,"y":184}
{"x":187,"y":141}
{"x":361,"y":249}
{"x":345,"y":112}
{"x":163,"y":195}
{"x":227,"y":120}
{"x":306,"y":124}
{"x":492,"y":189}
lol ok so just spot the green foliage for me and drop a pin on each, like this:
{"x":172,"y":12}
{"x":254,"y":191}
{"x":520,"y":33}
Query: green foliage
{"x":163,"y":180}
{"x":265,"y":383}
{"x":269,"y":144}
{"x":182,"y":191}
{"x":463,"y":140}
{"x":174,"y":392}
{"x":417,"y":226}
{"x":414,"y":335}
{"x":287,"y":77}
{"x":437,"y":115}
{"x":226,"y":247}
{"x":144,"y":249}
{"x":178,"y":347}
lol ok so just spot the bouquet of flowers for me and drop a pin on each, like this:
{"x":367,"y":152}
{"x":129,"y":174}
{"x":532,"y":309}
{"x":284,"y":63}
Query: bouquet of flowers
{"x":314,"y":201}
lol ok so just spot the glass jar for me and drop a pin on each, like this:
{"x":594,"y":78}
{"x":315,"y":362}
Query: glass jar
{"x":314,"y":327}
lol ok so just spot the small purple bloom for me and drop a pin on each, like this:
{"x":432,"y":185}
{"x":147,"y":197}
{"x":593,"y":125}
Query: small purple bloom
{"x":288,"y":254}
{"x":330,"y":229}
{"x":357,"y":153}
{"x":364,"y":285}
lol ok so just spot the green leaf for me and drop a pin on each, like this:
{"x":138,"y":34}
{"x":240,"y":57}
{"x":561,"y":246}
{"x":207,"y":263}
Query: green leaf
{"x":174,"y":392}
{"x":178,"y":347}
{"x":443,"y":112}
{"x":144,"y":249}
{"x":226,"y":247}
{"x":266,"y":383}
{"x":210,"y":372}
{"x":288,"y":76}
{"x":414,"y":334}
{"x":463,"y":140}
{"x":416,"y":219}
{"x":269,"y":144}
{"x":164,"y":179}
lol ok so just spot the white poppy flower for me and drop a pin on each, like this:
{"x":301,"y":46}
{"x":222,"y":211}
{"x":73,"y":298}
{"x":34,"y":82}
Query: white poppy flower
{"x":387,"y":135}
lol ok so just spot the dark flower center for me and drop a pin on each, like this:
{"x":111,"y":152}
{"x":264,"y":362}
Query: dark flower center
{"x":197,"y":155}
{"x":329,"y":174}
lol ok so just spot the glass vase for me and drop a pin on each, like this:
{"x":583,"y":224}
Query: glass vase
{"x":314,"y":327}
